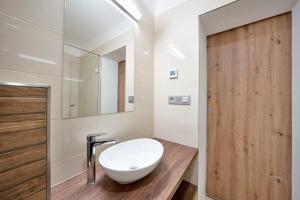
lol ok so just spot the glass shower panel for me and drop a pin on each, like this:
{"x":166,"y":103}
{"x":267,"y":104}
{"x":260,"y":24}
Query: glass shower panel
{"x":81,"y":83}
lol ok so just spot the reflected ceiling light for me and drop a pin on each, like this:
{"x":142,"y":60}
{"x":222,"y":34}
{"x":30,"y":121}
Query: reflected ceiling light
{"x":127,"y":8}
{"x":175,"y":52}
{"x":37,"y":59}
{"x":73,"y":79}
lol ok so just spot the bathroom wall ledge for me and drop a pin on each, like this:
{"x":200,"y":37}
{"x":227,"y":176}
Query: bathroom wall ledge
{"x":162,"y":183}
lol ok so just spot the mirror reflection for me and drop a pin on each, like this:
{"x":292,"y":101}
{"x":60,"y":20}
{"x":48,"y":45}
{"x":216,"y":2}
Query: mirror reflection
{"x":81,"y":80}
{"x":98,"y":75}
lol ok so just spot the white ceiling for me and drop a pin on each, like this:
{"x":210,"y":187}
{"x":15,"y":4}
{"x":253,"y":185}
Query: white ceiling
{"x":88,"y":22}
{"x":157,"y":7}
{"x":236,"y":14}
{"x":117,"y":55}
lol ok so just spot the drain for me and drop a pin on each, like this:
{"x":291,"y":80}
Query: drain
{"x":133,"y":167}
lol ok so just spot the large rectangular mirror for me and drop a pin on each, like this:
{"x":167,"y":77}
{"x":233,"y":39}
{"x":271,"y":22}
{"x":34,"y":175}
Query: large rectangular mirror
{"x":98,"y":76}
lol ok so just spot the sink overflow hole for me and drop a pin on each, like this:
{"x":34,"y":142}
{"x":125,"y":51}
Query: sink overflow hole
{"x":133,"y":167}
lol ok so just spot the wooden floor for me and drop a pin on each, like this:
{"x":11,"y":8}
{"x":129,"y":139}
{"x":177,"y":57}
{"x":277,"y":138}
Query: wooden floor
{"x":161,"y":184}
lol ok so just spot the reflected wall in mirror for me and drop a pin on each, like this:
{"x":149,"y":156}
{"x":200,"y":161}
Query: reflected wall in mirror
{"x":98,"y":72}
{"x":81,"y":82}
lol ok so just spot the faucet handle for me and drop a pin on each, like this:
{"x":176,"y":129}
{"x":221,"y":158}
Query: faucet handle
{"x":92,"y":137}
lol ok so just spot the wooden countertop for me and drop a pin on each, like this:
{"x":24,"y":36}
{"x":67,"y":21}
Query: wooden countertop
{"x":161,"y":184}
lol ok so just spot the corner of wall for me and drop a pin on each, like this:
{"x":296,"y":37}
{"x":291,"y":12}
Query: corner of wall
{"x":295,"y":102}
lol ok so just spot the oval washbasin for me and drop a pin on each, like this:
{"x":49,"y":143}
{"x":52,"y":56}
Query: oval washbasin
{"x":130,"y":161}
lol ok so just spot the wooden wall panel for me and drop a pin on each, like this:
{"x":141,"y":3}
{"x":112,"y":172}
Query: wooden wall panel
{"x":17,"y":158}
{"x":16,"y":140}
{"x":249,"y":112}
{"x":13,"y":91}
{"x":23,"y":142}
{"x":121,"y":86}
{"x":25,"y":189}
{"x":17,"y":106}
{"x":37,"y":196}
{"x":21,"y":174}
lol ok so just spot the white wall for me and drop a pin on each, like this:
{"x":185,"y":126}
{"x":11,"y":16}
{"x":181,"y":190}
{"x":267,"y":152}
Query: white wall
{"x":296,"y":103}
{"x":178,"y":27}
{"x":88,"y":85}
{"x":182,"y":124}
{"x":71,"y":85}
{"x":34,"y":28}
{"x":109,"y":86}
{"x":162,"y":6}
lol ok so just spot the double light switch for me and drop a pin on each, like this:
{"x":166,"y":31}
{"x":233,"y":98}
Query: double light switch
{"x":179,"y":100}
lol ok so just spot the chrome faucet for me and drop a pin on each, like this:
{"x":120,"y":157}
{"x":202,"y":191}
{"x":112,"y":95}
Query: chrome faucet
{"x":92,"y":142}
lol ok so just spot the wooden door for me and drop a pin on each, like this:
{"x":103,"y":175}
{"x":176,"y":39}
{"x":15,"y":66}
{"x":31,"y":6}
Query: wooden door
{"x":23,"y":143}
{"x":249,"y":112}
{"x":121,"y":86}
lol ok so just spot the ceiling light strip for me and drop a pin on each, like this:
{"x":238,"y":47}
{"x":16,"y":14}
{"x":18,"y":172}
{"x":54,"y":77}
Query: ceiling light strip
{"x":122,"y":9}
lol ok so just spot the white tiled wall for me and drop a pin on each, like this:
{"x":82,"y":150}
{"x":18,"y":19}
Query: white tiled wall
{"x":44,"y":13}
{"x":28,"y":48}
{"x":182,"y":124}
{"x":31,"y":51}
{"x":179,"y":27}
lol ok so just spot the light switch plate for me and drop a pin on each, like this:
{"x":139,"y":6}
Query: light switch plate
{"x":179,"y":100}
{"x":130,"y":99}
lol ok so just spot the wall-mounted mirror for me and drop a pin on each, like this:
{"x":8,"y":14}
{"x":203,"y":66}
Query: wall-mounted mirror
{"x":98,"y":75}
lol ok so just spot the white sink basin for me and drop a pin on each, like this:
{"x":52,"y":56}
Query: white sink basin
{"x":132,"y":160}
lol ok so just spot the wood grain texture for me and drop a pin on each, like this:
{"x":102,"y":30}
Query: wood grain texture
{"x":121,"y":86}
{"x":18,"y":105}
{"x":22,"y":174}
{"x":15,"y":140}
{"x":161,"y":184}
{"x":17,"y":158}
{"x":41,"y":195}
{"x":25,"y":117}
{"x":249,"y":112}
{"x":12,"y":91}
{"x":186,"y":191}
{"x":23,"y":142}
{"x":25,"y":189}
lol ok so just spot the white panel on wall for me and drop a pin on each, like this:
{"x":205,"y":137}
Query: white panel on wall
{"x":45,"y":13}
{"x":109,"y":86}
{"x":27,"y":48}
